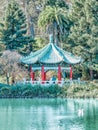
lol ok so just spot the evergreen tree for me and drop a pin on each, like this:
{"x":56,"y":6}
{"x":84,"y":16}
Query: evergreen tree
{"x":84,"y":32}
{"x":13,"y":29}
{"x":92,"y":20}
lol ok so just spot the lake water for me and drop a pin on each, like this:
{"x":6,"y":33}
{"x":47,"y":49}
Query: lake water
{"x":48,"y":114}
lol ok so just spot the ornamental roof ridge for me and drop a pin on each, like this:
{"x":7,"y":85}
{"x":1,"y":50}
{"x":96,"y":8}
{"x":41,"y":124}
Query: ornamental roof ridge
{"x":53,"y":46}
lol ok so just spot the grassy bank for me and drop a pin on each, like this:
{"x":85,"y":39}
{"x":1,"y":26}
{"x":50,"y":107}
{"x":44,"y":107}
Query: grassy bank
{"x":88,"y":90}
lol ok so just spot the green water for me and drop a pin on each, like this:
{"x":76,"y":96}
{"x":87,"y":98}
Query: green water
{"x":48,"y":114}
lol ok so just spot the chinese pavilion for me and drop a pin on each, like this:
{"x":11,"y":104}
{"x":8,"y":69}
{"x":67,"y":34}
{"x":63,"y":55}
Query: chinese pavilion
{"x":50,"y":57}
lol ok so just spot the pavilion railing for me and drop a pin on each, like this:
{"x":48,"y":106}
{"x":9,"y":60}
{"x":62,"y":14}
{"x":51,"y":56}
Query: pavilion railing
{"x":60,"y":83}
{"x":44,"y":82}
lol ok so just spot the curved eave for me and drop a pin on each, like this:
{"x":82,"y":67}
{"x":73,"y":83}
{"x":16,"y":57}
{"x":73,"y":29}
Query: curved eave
{"x":51,"y":54}
{"x":50,"y":62}
{"x":68,"y":58}
{"x":33,"y":57}
{"x":29,"y":61}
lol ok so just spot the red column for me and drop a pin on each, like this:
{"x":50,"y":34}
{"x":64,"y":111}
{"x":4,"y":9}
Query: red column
{"x":70,"y":72}
{"x":32,"y":74}
{"x":45,"y":76}
{"x":59,"y":73}
{"x":42,"y":73}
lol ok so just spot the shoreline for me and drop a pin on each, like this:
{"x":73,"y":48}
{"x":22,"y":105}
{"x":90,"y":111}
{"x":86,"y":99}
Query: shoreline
{"x":89,"y":90}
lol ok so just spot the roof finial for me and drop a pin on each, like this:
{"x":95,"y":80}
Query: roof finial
{"x":51,"y":38}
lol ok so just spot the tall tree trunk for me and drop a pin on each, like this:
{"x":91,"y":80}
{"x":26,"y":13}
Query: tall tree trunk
{"x":25,"y":6}
{"x":53,"y":33}
{"x":91,"y":71}
{"x":56,"y":34}
{"x":91,"y":74}
{"x":30,"y":27}
{"x":7,"y":78}
{"x":13,"y":78}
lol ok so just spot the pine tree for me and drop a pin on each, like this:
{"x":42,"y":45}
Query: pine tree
{"x":13,"y":29}
{"x":92,"y":18}
{"x":84,"y":32}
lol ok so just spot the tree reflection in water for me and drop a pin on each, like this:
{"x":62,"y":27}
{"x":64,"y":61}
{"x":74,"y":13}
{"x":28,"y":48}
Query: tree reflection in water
{"x":48,"y":114}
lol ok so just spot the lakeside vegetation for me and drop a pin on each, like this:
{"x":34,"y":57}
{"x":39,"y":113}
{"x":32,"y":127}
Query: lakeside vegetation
{"x":87,"y":90}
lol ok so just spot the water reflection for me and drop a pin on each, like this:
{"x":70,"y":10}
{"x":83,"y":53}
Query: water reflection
{"x":48,"y":114}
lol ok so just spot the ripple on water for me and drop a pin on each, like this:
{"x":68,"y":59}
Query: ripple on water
{"x":48,"y":114}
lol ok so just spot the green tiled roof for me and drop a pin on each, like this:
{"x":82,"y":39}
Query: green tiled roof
{"x":50,"y":54}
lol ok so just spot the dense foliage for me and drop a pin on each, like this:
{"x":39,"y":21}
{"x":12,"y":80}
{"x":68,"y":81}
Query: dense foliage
{"x":84,"y":33}
{"x":29,"y":91}
{"x":13,"y":28}
{"x":57,"y":3}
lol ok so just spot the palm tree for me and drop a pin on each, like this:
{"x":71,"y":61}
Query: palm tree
{"x":55,"y":21}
